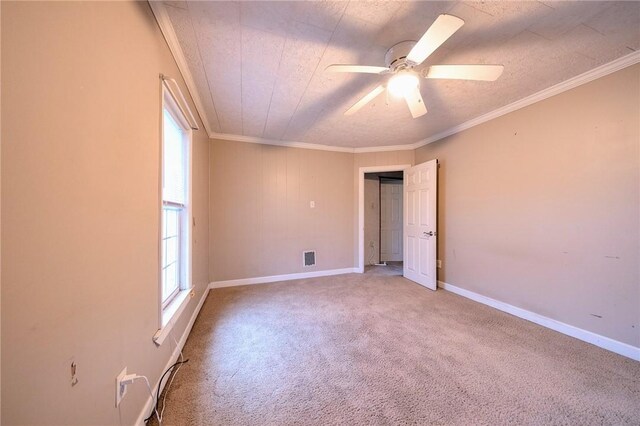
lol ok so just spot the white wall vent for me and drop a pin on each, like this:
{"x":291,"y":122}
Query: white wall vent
{"x":308,"y":258}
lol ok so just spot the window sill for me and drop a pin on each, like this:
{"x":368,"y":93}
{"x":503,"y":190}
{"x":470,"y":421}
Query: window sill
{"x":171,"y":314}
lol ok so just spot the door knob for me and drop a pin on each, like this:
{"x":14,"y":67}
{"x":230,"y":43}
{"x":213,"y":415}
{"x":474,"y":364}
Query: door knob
{"x":429,"y":234}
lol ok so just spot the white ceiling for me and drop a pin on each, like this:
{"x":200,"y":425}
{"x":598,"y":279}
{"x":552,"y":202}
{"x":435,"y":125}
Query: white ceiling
{"x":258,"y":67}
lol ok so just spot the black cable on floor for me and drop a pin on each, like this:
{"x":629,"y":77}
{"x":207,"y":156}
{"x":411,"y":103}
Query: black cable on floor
{"x":153,"y":411}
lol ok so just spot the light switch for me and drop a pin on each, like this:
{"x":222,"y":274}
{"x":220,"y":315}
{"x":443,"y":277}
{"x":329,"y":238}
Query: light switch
{"x":312,"y":204}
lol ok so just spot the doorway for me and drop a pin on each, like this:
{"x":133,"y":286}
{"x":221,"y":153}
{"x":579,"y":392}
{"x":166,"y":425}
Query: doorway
{"x":380,"y":228}
{"x":383,"y":222}
{"x":419,"y":217}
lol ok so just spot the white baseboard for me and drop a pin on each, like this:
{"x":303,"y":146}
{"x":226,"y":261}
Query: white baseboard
{"x":174,"y":357}
{"x":607,"y":343}
{"x":285,"y":277}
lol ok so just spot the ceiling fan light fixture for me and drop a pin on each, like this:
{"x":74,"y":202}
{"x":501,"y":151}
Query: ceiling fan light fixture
{"x":403,"y":83}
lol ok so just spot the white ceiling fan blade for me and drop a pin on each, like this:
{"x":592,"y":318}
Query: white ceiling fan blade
{"x":415,"y":102}
{"x":357,"y":68}
{"x":443,"y":28}
{"x":465,"y":72}
{"x":365,"y":100}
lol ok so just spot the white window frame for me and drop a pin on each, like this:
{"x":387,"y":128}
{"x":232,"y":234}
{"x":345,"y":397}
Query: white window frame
{"x":168,"y":205}
{"x":169,"y":312}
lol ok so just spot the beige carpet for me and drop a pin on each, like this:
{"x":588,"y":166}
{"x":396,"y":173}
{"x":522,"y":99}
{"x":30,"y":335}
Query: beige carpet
{"x":377,"y":349}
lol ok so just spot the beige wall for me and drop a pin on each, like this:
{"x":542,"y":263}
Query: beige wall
{"x":260,"y":213}
{"x":371,"y":221}
{"x":540,"y":208}
{"x":80,"y":209}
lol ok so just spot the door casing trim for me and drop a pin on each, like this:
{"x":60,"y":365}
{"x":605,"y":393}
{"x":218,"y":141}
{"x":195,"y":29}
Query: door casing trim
{"x":361,"y":173}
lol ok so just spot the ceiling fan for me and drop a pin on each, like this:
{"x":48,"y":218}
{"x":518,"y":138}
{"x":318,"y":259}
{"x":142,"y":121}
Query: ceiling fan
{"x":402,"y":58}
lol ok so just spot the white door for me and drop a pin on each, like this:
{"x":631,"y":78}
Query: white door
{"x":420,"y":184}
{"x":391,"y":221}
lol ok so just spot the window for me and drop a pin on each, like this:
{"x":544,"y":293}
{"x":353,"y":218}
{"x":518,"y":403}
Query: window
{"x":175,"y":208}
{"x":175,"y":231}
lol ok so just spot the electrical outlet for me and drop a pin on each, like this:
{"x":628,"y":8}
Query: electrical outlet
{"x":439,"y":263}
{"x":121,"y":390}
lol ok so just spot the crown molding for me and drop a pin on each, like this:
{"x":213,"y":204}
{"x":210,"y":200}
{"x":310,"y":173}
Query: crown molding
{"x":170,"y":36}
{"x":385,"y":148}
{"x":290,"y":144}
{"x":598,"y":72}
{"x":306,"y":145}
{"x":160,"y":12}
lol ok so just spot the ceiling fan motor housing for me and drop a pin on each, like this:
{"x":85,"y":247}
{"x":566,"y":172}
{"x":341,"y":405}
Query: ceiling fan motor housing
{"x":396,"y":56}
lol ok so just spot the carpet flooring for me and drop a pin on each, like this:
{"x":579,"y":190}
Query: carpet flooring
{"x":377,"y":349}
